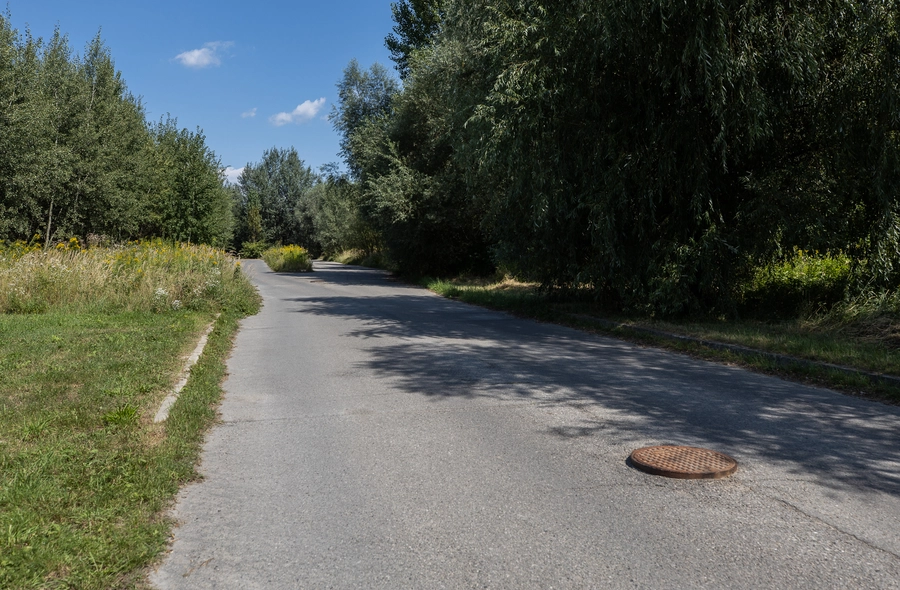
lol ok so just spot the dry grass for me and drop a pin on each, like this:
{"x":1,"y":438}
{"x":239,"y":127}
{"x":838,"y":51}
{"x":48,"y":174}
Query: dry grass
{"x":145,"y":276}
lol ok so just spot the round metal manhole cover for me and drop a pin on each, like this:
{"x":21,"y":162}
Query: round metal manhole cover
{"x":683,"y":462}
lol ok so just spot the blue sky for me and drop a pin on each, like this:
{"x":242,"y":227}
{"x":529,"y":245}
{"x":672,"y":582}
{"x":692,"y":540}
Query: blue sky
{"x":252,"y":76}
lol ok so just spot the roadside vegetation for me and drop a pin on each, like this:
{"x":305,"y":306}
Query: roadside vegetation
{"x":361,"y":258}
{"x":91,"y":340}
{"x":287,"y":259}
{"x":724,"y":170}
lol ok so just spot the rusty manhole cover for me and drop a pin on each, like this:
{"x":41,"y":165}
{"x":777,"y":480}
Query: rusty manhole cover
{"x":683,"y":462}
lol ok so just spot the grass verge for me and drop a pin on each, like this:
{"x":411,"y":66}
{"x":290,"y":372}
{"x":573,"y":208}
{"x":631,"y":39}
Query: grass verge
{"x":85,"y":474}
{"x":849,"y":344}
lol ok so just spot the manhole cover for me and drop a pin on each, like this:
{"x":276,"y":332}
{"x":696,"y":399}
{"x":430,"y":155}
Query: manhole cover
{"x":683,"y":462}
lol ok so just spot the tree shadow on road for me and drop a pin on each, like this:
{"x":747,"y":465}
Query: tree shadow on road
{"x":444,"y":350}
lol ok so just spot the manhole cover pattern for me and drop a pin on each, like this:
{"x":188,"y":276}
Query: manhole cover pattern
{"x":683,"y":462}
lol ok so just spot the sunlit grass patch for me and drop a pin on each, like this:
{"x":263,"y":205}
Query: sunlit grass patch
{"x":81,"y":483}
{"x":802,"y":283}
{"x":85,"y":474}
{"x":362,"y":258}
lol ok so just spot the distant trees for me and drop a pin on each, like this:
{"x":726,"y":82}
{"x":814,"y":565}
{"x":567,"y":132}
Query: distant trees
{"x":273,"y":201}
{"x":77,"y":156}
{"x":190,"y":202}
{"x":398,"y":151}
{"x":364,"y":96}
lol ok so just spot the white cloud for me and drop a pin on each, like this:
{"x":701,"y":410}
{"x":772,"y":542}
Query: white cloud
{"x":249,"y":114}
{"x":232,"y":174}
{"x":304,"y":112}
{"x":208,"y":55}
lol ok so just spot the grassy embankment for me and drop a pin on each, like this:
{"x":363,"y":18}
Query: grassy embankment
{"x":90,"y":343}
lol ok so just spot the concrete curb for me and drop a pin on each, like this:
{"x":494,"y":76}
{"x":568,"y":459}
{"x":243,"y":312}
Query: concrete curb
{"x":170,"y":400}
{"x":781,"y":359}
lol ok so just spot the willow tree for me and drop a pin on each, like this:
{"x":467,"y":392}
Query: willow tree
{"x":654,"y":150}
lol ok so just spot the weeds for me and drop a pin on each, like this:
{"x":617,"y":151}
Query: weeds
{"x":363,"y":258}
{"x":803,"y":284}
{"x":146,"y":276}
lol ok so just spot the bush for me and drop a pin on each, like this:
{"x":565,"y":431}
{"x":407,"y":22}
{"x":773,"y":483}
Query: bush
{"x":805,"y":282}
{"x":287,"y":259}
{"x":254,"y":249}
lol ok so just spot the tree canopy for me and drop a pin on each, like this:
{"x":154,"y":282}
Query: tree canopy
{"x":77,"y":156}
{"x":652,"y":151}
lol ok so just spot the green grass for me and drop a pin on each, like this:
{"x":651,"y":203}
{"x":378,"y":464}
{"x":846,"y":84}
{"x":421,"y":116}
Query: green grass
{"x":287,"y":259}
{"x":863,"y":342}
{"x":85,"y":474}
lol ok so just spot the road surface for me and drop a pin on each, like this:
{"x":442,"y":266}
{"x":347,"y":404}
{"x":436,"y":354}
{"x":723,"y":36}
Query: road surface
{"x":375,"y":435}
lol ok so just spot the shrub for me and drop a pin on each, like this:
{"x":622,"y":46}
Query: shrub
{"x":804,"y":282}
{"x":287,"y":259}
{"x":254,"y":249}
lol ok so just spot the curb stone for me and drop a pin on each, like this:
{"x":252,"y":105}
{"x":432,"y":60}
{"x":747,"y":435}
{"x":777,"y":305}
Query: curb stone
{"x":163,"y":413}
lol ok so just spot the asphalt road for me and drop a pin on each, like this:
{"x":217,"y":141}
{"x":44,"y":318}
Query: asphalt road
{"x":376,"y":435}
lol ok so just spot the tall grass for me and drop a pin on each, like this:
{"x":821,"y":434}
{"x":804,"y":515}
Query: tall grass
{"x":144,"y":276}
{"x":375,"y":259}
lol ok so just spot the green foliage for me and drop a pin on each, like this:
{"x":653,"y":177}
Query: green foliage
{"x":272,"y":201}
{"x":361,"y":258}
{"x":656,"y":153}
{"x":124,"y":415}
{"x":417,"y":25}
{"x":78,"y":158}
{"x":287,"y":259}
{"x":337,"y":218}
{"x":363,"y":95}
{"x":803,"y":282}
{"x":192,"y":204}
{"x":409,"y":188}
{"x":254,"y":249}
{"x":653,"y":151}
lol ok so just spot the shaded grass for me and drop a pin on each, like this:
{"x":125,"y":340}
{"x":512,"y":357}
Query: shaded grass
{"x":851,"y":343}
